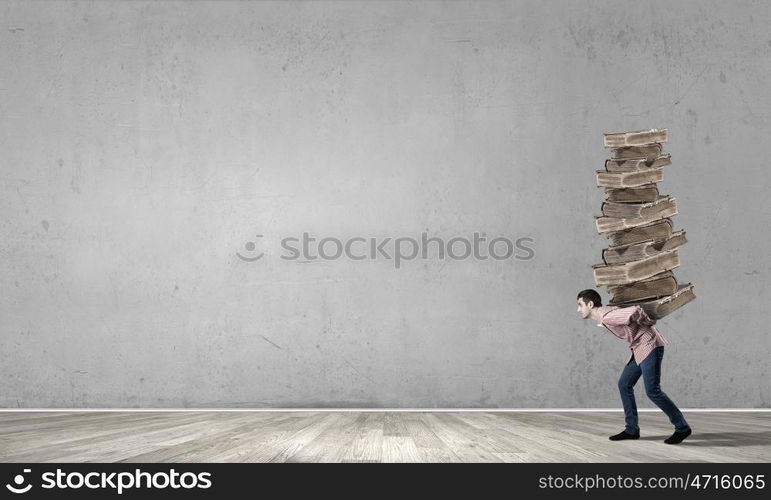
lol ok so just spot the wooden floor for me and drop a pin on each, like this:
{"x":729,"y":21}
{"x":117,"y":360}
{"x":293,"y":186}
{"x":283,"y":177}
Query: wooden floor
{"x":352,"y":436}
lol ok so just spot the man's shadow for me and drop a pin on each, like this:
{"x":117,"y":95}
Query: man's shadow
{"x":708,"y":439}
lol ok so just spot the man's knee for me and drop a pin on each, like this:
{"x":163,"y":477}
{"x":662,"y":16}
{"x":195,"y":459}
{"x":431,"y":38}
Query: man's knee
{"x":653,"y":392}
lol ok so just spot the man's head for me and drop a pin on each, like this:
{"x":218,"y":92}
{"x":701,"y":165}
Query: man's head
{"x":587,"y":300}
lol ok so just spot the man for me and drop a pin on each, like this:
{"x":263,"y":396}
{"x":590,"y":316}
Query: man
{"x":647,"y":346}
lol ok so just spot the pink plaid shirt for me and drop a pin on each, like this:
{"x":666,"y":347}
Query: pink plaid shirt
{"x":633,"y":325}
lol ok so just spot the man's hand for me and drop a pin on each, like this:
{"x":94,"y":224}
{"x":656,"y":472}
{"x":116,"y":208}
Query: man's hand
{"x":641,"y":317}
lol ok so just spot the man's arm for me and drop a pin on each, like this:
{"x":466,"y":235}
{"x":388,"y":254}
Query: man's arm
{"x":626,"y":316}
{"x":641,"y":317}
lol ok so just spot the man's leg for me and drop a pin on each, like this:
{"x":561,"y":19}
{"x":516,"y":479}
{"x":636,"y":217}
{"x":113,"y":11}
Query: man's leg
{"x":626,"y":382}
{"x":651,"y":370}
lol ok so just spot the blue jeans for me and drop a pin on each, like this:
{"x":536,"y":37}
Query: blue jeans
{"x":650,"y":369}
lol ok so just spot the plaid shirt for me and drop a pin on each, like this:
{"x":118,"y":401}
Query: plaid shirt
{"x":633,"y":325}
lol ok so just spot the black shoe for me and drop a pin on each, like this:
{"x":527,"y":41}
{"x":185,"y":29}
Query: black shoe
{"x":624,"y":435}
{"x":678,"y":437}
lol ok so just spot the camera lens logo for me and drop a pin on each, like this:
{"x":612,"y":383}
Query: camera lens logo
{"x":250,"y":246}
{"x":19,"y":480}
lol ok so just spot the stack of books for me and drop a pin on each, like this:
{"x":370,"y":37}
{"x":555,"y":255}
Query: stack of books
{"x":637,"y":266}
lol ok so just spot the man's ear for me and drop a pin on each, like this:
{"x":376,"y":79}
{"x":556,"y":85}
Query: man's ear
{"x":590,"y":304}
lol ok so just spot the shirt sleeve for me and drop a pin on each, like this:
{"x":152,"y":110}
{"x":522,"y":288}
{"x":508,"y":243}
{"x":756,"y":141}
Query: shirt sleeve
{"x":641,"y":317}
{"x":619,"y":317}
{"x":627,"y":316}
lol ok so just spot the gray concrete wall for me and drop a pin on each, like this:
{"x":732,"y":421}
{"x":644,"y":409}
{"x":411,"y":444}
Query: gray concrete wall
{"x":144,"y":145}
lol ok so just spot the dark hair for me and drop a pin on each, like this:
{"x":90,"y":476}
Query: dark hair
{"x":590,"y":295}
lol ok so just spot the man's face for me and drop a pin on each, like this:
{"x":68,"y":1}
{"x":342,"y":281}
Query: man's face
{"x":585,"y":309}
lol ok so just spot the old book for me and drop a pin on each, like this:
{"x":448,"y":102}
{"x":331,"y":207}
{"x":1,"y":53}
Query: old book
{"x":629,"y":179}
{"x":629,"y":272}
{"x":646,"y":192}
{"x":657,"y":286}
{"x":614,"y":140}
{"x":636,"y":164}
{"x":626,"y":210}
{"x":637,"y":251}
{"x":658,"y":308}
{"x":658,"y":230}
{"x":651,"y":212}
{"x":651,"y":150}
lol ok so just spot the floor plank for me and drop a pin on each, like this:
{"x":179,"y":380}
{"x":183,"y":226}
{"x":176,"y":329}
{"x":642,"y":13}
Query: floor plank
{"x":375,"y":436}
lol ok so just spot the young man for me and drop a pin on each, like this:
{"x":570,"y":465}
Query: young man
{"x":647,"y":346}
